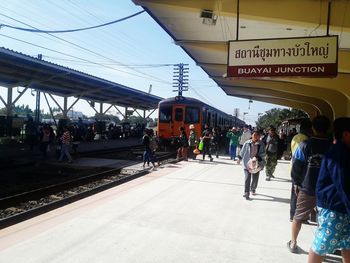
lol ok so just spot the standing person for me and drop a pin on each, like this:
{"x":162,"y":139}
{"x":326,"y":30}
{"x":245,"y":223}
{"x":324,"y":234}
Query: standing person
{"x":46,"y":136}
{"x":234,"y":136}
{"x":333,"y":198}
{"x":305,"y":132}
{"x":31,"y":132}
{"x":245,"y":136}
{"x":66,"y":140}
{"x":271,"y":153}
{"x":282,"y":145}
{"x":153,"y":146}
{"x":305,"y":169}
{"x":215,"y":140}
{"x":252,"y":149}
{"x":206,"y":137}
{"x":147,"y":154}
{"x":76,"y":138}
{"x":183,"y":149}
{"x":192,"y":142}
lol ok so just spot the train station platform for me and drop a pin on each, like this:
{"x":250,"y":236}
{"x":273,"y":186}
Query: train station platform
{"x":16,"y":151}
{"x":184,"y":212}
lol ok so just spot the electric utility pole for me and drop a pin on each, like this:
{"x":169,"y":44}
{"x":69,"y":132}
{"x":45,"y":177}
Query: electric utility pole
{"x":180,"y":80}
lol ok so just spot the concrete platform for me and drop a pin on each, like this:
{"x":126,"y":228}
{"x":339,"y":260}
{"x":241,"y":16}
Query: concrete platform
{"x":185,"y":212}
{"x":17,"y":151}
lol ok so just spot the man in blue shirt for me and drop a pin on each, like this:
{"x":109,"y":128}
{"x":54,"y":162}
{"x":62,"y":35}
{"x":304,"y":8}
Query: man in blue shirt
{"x":333,"y":198}
{"x":305,"y":169}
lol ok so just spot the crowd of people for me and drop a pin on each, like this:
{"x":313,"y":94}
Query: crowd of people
{"x":69,"y":136}
{"x":320,"y":172}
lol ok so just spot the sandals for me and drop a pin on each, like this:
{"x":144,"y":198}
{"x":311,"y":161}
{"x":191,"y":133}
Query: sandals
{"x":292,"y":248}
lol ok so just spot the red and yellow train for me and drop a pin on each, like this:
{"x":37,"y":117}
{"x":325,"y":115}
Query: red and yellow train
{"x":179,"y":111}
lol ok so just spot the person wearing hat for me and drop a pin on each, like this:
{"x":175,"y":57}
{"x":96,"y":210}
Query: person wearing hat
{"x":234,"y":137}
{"x":192,"y":141}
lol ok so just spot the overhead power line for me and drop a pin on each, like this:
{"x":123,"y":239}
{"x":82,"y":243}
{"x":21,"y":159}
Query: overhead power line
{"x":70,"y":30}
{"x":83,"y":48}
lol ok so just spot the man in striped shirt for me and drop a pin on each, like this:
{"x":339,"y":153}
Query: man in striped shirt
{"x":66,"y":140}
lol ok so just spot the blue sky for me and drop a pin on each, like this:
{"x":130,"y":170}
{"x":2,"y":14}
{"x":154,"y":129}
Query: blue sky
{"x":128,"y":52}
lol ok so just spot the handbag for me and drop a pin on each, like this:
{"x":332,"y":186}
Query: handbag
{"x":201,"y":145}
{"x":253,"y":165}
{"x":196,"y":151}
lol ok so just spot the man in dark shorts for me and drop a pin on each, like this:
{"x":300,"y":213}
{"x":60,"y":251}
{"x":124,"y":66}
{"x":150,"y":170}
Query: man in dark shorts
{"x":305,"y":168}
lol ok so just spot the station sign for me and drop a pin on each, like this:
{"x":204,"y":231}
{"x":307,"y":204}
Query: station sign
{"x":307,"y":56}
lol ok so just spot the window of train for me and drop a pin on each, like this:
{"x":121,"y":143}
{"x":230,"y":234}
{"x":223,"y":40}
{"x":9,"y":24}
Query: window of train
{"x":192,"y":115}
{"x":165,"y":114}
{"x":178,"y":114}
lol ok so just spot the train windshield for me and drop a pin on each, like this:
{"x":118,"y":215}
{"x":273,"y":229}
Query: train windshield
{"x":192,"y":115}
{"x":165,"y":113}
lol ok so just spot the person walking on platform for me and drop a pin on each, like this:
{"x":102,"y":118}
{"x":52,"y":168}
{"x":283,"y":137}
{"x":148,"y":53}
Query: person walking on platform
{"x":206,"y":138}
{"x":147,"y":154}
{"x":66,"y":140}
{"x":245,"y":136}
{"x":234,"y":137}
{"x":333,"y":198}
{"x":305,"y":169}
{"x":192,"y":142}
{"x":271,"y":153}
{"x":305,"y":132}
{"x":215,"y":140}
{"x":252,"y":156}
{"x":183,"y":149}
{"x":153,"y":146}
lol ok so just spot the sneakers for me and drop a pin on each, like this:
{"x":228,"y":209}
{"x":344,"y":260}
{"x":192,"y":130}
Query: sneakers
{"x":268,"y":178}
{"x":292,"y":246}
{"x":253,"y":192}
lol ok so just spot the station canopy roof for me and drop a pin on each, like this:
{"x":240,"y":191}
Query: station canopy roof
{"x":206,"y":41}
{"x":19,"y":70}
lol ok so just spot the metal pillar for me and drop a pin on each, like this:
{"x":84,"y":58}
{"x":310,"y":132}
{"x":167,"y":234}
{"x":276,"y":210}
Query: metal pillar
{"x":144,"y":118}
{"x":126,"y":114}
{"x":37,"y":107}
{"x":65,"y":107}
{"x":9,"y":102}
{"x":101,"y":111}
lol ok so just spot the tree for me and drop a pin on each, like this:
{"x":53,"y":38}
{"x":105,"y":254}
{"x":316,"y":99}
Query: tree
{"x":18,"y":110}
{"x":276,"y":116}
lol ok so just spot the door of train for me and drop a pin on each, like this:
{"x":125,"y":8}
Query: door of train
{"x":179,"y":118}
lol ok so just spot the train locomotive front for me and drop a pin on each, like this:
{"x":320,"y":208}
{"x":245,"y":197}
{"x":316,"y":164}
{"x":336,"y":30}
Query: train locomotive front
{"x":180,"y":111}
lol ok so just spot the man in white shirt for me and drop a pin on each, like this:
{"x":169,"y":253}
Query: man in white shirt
{"x":246,"y":135}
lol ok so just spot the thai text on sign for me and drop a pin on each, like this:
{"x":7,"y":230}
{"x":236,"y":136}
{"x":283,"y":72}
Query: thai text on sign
{"x":311,"y":56}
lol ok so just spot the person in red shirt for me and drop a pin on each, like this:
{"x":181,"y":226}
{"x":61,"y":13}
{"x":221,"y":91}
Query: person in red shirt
{"x":66,"y":140}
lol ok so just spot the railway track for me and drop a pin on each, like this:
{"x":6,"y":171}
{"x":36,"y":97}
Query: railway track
{"x":20,"y":207}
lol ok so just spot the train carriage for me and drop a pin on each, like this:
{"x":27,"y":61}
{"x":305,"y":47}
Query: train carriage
{"x":179,"y":111}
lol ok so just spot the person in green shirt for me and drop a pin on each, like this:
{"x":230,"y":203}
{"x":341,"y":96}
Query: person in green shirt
{"x":234,"y":136}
